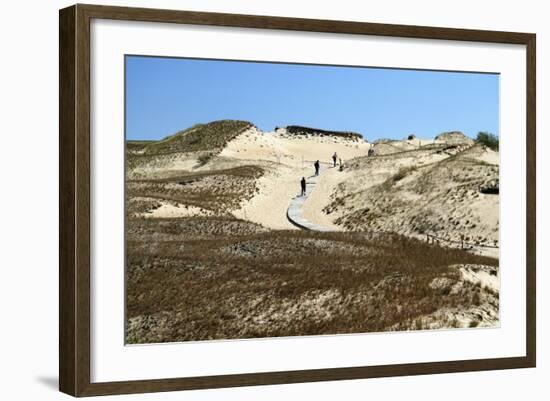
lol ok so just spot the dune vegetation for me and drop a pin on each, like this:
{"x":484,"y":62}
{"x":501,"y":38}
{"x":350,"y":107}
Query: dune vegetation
{"x":211,"y":136}
{"x":212,"y":278}
{"x":211,"y":254}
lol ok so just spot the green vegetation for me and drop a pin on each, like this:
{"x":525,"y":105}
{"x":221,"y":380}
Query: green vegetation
{"x":201,"y":137}
{"x":133,"y":147}
{"x":488,"y":139}
{"x":299,"y":130}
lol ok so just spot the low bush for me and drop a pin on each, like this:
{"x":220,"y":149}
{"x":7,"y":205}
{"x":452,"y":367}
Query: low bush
{"x":403,"y":172}
{"x":488,"y":139}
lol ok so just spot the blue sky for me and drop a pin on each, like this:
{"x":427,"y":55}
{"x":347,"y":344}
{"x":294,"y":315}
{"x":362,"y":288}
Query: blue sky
{"x":166,"y":95}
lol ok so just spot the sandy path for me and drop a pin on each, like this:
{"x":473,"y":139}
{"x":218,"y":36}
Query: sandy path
{"x":321,"y":196}
{"x":287,"y":159}
{"x":277,"y":187}
{"x":295,"y":211}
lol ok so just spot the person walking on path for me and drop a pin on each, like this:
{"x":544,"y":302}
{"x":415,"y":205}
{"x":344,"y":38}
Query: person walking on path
{"x":334,"y":158}
{"x":303,"y":183}
{"x":316,"y":164}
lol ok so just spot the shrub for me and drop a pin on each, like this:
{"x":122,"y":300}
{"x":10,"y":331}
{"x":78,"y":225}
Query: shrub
{"x":203,"y":159}
{"x":300,"y":130}
{"x":488,"y":139}
{"x":403,"y":172}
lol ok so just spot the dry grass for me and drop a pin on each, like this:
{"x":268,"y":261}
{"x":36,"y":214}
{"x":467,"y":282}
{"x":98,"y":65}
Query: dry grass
{"x":206,"y":278}
{"x":418,"y":199}
{"x":219,"y":191}
{"x":201,"y":137}
{"x":402,"y":173}
{"x":204,"y":141}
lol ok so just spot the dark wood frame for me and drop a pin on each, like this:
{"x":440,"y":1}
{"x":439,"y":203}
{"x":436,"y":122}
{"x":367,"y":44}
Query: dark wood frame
{"x":74,"y":199}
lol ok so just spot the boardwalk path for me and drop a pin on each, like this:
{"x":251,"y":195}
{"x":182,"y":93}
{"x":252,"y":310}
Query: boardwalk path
{"x":295,"y":212}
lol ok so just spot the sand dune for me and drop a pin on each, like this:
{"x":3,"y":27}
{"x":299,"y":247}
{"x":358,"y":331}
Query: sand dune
{"x":292,"y":150}
{"x":207,"y":211}
{"x":286,"y":159}
{"x":412,"y":187}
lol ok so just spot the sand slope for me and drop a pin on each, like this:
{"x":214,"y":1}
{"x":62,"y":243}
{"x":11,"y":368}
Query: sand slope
{"x":412,"y":187}
{"x":286,"y":159}
{"x":436,"y":191}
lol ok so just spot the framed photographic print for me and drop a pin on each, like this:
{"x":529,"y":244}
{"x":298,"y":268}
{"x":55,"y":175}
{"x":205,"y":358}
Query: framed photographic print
{"x":250,"y":200}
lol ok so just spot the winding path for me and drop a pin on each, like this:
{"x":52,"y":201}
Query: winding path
{"x":295,"y":213}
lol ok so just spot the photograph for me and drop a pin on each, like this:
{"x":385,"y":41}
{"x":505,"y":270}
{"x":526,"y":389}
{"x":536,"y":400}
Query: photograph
{"x":277,"y":199}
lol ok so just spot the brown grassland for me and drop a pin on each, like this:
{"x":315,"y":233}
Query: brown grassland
{"x":186,"y":280}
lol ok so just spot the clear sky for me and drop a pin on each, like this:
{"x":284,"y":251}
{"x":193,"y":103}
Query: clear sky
{"x":166,"y":95}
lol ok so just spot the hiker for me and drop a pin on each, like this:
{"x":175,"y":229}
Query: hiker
{"x":303,"y":183}
{"x":316,"y":164}
{"x":334,"y":157}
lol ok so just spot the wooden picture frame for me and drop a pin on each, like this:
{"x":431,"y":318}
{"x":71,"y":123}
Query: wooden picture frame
{"x":74,"y":199}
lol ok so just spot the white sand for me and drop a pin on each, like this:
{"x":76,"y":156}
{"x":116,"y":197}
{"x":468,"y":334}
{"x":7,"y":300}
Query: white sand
{"x":489,"y":156}
{"x":481,"y":274}
{"x":292,"y":151}
{"x":269,"y":206}
{"x":286,"y":159}
{"x":176,"y":210}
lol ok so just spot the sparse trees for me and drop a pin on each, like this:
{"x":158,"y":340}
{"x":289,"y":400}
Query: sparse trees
{"x":488,"y":139}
